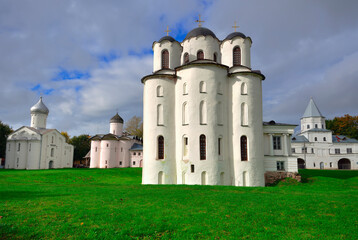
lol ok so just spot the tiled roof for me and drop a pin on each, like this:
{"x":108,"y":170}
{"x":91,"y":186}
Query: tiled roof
{"x":299,"y":139}
{"x":312,"y":110}
{"x":343,"y":139}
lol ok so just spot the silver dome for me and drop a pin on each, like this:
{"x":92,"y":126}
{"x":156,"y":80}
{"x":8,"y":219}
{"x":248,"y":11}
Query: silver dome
{"x":39,"y":107}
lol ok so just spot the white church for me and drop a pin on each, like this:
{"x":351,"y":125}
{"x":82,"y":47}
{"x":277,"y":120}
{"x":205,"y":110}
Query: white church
{"x":37,"y":147}
{"x":203,"y":119}
{"x":115,"y":150}
{"x":317,"y":148}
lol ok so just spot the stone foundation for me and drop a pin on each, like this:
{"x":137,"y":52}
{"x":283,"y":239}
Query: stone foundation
{"x":272,"y":177}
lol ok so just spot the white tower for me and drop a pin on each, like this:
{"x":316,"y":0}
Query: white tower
{"x":116,"y":125}
{"x":39,"y":113}
{"x":312,"y":118}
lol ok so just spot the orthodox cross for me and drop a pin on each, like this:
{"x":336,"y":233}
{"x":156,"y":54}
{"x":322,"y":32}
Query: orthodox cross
{"x":235,"y":26}
{"x":167,"y":31}
{"x":199,"y":21}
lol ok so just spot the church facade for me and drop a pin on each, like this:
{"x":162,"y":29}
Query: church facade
{"x":37,"y":147}
{"x":315,"y":147}
{"x":115,"y":150}
{"x":202,"y":115}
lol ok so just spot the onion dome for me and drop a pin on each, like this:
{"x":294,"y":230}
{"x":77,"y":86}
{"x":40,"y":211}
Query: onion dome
{"x":167,"y":38}
{"x":116,"y":119}
{"x":39,"y":107}
{"x":235,"y":34}
{"x":200,"y":31}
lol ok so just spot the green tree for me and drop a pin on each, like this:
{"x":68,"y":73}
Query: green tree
{"x":82,"y":145}
{"x":346,"y":125}
{"x":5,"y":130}
{"x":135,"y":126}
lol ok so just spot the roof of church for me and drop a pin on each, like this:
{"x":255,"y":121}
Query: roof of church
{"x":168,"y":38}
{"x":318,"y":130}
{"x":116,"y":119}
{"x":343,"y":139}
{"x":273,"y":123}
{"x":235,"y":34}
{"x":200,"y":31}
{"x":39,"y":107}
{"x":312,"y":110}
{"x":137,"y":147}
{"x":299,"y":138}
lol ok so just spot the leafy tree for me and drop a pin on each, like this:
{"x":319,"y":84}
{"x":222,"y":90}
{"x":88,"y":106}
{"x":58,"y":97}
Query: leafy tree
{"x":65,"y":134}
{"x":82,"y":145}
{"x":346,"y":125}
{"x":135,"y":126}
{"x":5,"y":130}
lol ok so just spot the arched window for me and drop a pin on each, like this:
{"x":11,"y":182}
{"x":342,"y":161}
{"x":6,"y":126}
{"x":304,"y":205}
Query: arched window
{"x":308,"y":126}
{"x":315,"y":138}
{"x":202,"y":147}
{"x":185,"y":113}
{"x":244,"y":115}
{"x":243,"y":146}
{"x":220,"y":146}
{"x":220,"y":113}
{"x":185,"y":147}
{"x":18,"y":147}
{"x":161,"y":177}
{"x":160,"y":114}
{"x":165,"y":59}
{"x":237,"y":56}
{"x":324,"y":139}
{"x":160,"y":147}
{"x":200,"y":55}
{"x":202,"y":87}
{"x":185,"y":89}
{"x":186,"y":58}
{"x":52,"y":152}
{"x":215,"y":57}
{"x":203,"y":178}
{"x":243,"y":89}
{"x":159,"y":91}
{"x":203,"y":112}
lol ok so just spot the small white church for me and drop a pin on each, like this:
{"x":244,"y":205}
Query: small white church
{"x":203,"y":119}
{"x":317,"y":148}
{"x":37,"y":147}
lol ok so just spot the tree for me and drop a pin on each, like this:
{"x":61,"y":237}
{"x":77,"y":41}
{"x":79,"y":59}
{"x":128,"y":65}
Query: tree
{"x":346,"y":125}
{"x":65,"y":134}
{"x":5,"y":130}
{"x":135,"y":126}
{"x":82,"y":145}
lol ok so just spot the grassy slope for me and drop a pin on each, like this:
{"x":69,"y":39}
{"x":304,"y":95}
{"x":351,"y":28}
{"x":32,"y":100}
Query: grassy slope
{"x":111,"y":204}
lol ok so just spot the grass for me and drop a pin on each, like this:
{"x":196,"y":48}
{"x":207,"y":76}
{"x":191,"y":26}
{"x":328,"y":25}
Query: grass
{"x":112,"y":204}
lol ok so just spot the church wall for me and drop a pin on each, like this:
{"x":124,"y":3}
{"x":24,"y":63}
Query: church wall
{"x":116,"y":128}
{"x":207,"y":44}
{"x":95,"y":153}
{"x":228,"y":46}
{"x":38,"y":120}
{"x":10,"y":154}
{"x":152,"y":130}
{"x":33,"y":156}
{"x":108,"y":154}
{"x":136,"y":158}
{"x":174,"y":50}
{"x":312,"y":121}
{"x":249,"y":172}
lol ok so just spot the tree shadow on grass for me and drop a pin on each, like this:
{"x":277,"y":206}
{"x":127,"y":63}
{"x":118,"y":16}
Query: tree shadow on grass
{"x":26,"y":195}
{"x":306,"y":174}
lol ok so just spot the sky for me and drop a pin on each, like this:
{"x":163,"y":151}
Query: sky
{"x":87,"y":57}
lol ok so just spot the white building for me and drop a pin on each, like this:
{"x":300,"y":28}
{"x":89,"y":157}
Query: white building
{"x":112,"y":150}
{"x":316,"y":148}
{"x":36,"y":147}
{"x":203,"y":115}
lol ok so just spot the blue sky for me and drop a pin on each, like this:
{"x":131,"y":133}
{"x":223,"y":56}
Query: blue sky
{"x":87,"y":57}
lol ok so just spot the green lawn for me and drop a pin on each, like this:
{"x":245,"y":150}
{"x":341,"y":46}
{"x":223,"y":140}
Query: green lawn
{"x":112,"y":204}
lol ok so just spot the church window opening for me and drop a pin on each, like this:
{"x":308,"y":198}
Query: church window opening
{"x":185,"y":89}
{"x":107,"y":144}
{"x":220,"y":113}
{"x":133,"y":162}
{"x":244,"y":115}
{"x":106,"y":161}
{"x":314,"y":164}
{"x":160,"y":114}
{"x":19,"y":147}
{"x":312,"y":150}
{"x":134,"y":154}
{"x":203,"y":112}
{"x":243,"y":146}
{"x":120,"y":163}
{"x":280,"y":165}
{"x":161,"y":177}
{"x":293,"y":150}
{"x":159,"y":91}
{"x":52,"y":152}
{"x":186,"y":57}
{"x":160,"y":147}
{"x":202,"y":147}
{"x":322,"y":126}
{"x":324,"y":138}
{"x":185,"y":113}
{"x":203,"y":178}
{"x":349,"y":150}
{"x":237,"y":56}
{"x":185,"y":147}
{"x":192,"y":168}
{"x":243,"y":89}
{"x":52,"y":139}
{"x":276,"y":142}
{"x":96,"y":149}
{"x":315,"y":139}
{"x":304,"y":150}
{"x":200,"y":55}
{"x":330,"y":164}
{"x":316,"y":125}
{"x":17,"y":162}
{"x":308,"y":126}
{"x":337,"y":151}
{"x":202,"y":87}
{"x":220,"y":145}
{"x":139,"y":154}
{"x":165,"y":59}
{"x":215,"y":57}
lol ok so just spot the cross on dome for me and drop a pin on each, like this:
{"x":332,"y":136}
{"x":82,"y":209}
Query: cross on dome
{"x":199,"y":21}
{"x":167,"y":31}
{"x":235,"y":27}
